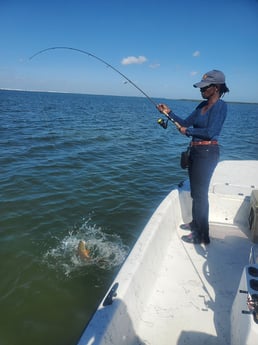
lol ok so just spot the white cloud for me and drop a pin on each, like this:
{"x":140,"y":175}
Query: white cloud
{"x":193,"y":73}
{"x":133,"y":60}
{"x":154,"y":65}
{"x":196,"y":53}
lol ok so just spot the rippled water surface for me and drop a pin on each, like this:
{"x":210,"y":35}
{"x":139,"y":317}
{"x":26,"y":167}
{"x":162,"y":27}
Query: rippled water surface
{"x":81,"y":167}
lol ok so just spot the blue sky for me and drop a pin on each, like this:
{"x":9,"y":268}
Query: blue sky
{"x":163,"y":46}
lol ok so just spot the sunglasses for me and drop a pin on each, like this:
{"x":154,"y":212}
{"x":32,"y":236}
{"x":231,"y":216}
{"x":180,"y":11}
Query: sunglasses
{"x":203,"y":89}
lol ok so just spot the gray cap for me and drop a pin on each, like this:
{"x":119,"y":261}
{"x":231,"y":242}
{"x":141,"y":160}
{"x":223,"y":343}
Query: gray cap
{"x":212,"y":77}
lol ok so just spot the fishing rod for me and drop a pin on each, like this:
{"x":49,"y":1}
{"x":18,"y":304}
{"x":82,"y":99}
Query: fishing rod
{"x":161,"y":122}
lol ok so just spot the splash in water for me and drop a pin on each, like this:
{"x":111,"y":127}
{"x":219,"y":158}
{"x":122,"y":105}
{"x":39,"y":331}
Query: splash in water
{"x":106,"y":250}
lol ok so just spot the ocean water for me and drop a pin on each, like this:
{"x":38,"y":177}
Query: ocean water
{"x":83,"y":167}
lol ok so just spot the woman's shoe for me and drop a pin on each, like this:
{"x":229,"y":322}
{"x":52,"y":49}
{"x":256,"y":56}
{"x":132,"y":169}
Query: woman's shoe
{"x":191,"y":238}
{"x":186,"y":226}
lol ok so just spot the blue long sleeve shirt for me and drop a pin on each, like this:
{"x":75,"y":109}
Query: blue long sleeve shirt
{"x":205,"y":126}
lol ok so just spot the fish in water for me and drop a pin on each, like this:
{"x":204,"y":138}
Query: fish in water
{"x":82,"y":251}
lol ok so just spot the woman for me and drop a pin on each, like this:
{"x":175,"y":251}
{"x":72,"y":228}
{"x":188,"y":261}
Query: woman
{"x":204,"y":126}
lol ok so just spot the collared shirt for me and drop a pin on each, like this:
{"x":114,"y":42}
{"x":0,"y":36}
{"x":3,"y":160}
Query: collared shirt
{"x":205,"y":126}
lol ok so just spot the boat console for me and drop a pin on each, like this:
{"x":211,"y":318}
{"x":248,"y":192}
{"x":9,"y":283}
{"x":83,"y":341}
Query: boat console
{"x":244,"y":316}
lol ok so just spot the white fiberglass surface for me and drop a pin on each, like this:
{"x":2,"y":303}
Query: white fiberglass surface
{"x":195,"y":289}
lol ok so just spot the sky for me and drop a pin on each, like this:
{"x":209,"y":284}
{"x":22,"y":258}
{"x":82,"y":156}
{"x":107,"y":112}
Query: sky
{"x":163,"y":46}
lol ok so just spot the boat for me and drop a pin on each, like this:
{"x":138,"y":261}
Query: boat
{"x":171,"y":292}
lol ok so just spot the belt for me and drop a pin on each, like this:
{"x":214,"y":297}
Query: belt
{"x":197,"y":143}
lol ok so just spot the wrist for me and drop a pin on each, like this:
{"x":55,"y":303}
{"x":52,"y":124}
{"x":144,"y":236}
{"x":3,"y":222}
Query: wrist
{"x":187,"y":132}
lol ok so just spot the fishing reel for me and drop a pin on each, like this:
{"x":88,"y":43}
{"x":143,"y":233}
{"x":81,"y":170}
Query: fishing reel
{"x":163,"y":123}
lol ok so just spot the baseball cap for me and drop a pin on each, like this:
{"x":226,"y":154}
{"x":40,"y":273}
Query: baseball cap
{"x":212,"y":77}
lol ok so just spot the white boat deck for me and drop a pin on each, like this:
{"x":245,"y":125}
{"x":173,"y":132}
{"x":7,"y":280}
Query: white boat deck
{"x":169,"y":292}
{"x":192,"y":304}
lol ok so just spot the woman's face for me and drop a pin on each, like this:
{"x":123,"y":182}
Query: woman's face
{"x":208,"y":91}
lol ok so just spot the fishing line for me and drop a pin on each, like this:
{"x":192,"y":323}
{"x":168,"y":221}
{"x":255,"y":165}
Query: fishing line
{"x":160,"y":121}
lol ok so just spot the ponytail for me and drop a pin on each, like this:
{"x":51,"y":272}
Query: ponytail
{"x":222,"y":89}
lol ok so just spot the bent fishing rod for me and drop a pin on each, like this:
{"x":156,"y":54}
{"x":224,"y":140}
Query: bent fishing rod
{"x":161,"y":122}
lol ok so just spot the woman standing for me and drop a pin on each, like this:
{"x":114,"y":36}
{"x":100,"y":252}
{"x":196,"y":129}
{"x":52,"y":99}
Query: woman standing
{"x":204,"y":126}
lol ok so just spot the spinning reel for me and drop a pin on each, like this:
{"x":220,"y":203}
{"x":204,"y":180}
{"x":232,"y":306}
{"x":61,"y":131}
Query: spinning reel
{"x":163,"y":123}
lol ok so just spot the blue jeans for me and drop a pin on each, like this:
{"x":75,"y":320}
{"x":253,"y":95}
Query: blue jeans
{"x":203,"y":160}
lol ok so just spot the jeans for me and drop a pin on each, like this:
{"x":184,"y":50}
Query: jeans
{"x":203,"y":160}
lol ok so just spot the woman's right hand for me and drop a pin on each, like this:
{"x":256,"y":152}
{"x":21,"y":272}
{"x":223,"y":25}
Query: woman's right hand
{"x":163,"y":108}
